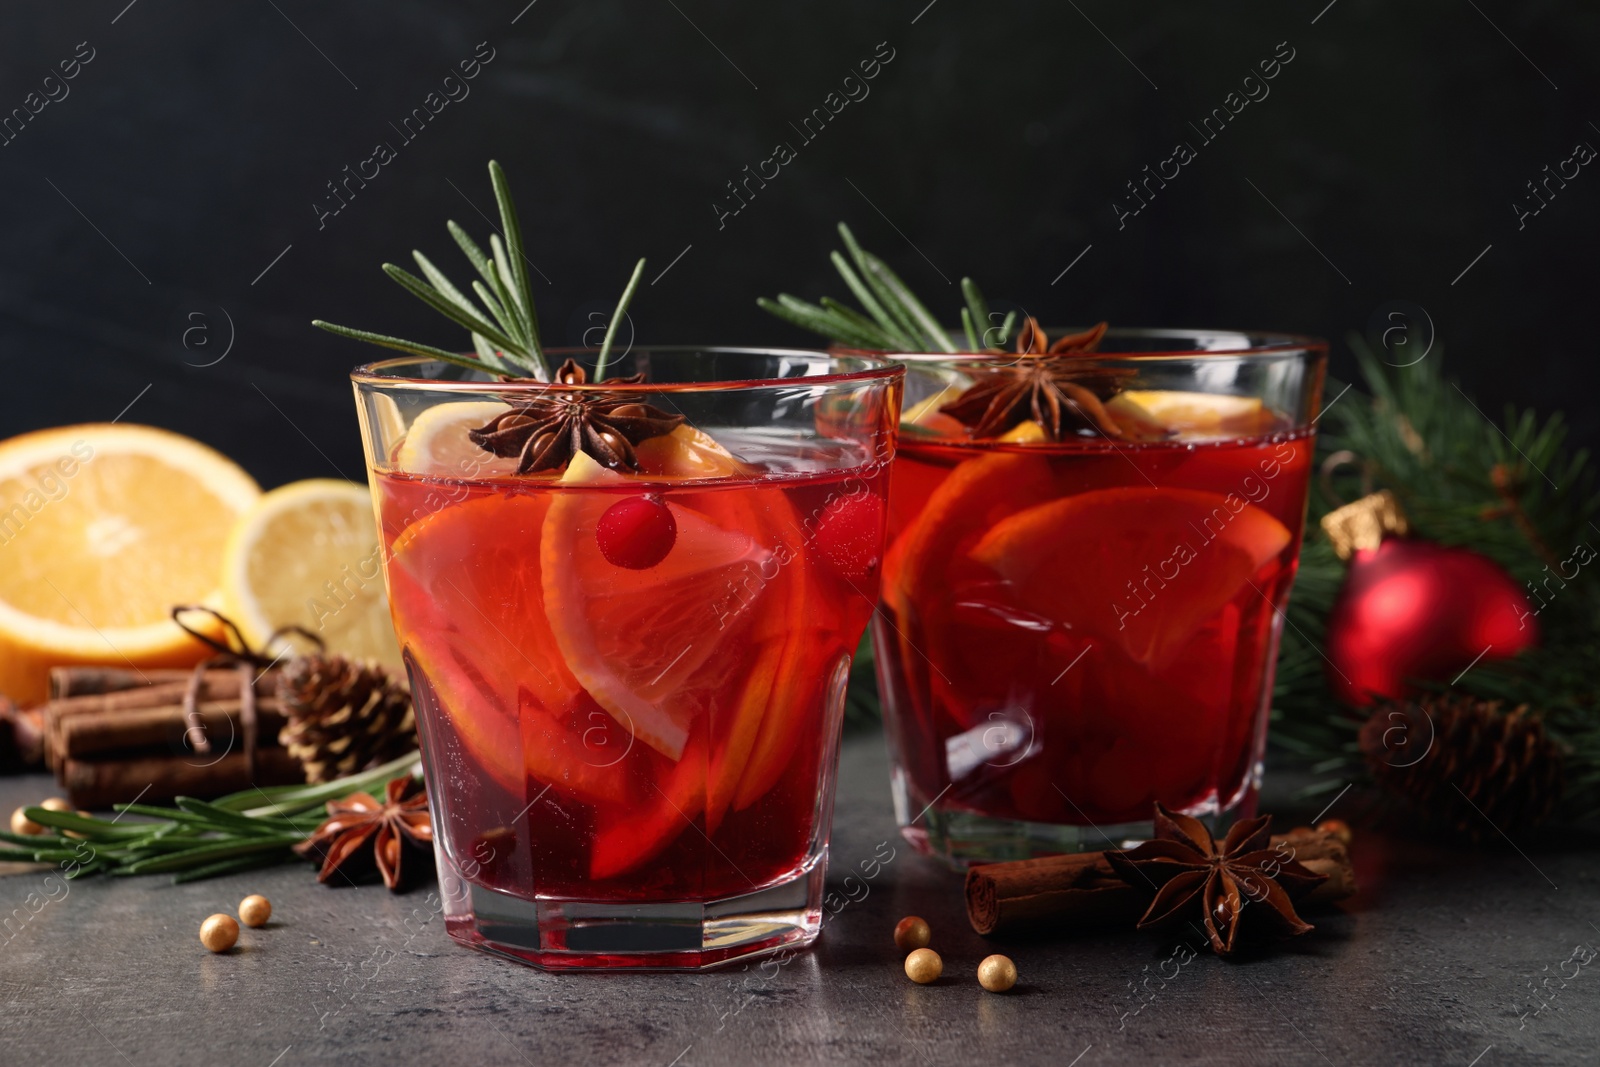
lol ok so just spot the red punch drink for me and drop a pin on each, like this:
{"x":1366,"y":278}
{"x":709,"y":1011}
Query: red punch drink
{"x":629,"y":680}
{"x":1079,"y":624}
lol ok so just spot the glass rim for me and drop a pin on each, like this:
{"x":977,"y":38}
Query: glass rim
{"x":879,"y":369}
{"x":1258,"y":344}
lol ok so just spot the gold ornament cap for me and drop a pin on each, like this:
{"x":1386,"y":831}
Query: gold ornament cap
{"x":1363,"y":524}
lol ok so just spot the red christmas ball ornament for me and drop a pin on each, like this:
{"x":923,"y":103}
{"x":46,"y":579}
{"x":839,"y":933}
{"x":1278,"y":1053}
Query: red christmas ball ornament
{"x":636,"y":533}
{"x":1414,"y":610}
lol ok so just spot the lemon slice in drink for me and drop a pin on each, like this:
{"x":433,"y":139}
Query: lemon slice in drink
{"x":437,"y":442}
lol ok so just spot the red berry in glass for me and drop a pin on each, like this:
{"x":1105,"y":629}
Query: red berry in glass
{"x":636,"y":533}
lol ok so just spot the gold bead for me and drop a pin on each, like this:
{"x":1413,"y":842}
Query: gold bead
{"x":1338,"y":828}
{"x":912,"y":932}
{"x":219,"y":933}
{"x":924,"y":966}
{"x":21,"y":824}
{"x":55,"y":804}
{"x":255,"y":910}
{"x":997,"y":973}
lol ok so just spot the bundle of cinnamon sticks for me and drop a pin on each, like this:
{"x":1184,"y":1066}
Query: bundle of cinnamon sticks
{"x":113,"y":735}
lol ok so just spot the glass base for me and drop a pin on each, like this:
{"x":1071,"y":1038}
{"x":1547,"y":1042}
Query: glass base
{"x":962,"y":838}
{"x":558,"y":935}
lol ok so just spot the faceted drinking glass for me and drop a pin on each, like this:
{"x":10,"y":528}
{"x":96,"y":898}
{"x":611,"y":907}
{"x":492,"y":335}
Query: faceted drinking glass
{"x":629,"y":685}
{"x":1073,"y":631}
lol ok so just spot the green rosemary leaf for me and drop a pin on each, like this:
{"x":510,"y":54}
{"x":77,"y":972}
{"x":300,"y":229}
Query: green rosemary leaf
{"x":516,"y":301}
{"x":863,"y":325}
{"x":814,"y":321}
{"x":242,"y":863}
{"x":406,"y":346}
{"x":1006,"y":326}
{"x":885,"y":321}
{"x":222,"y":849}
{"x":443,"y":284}
{"x":979,"y":308}
{"x":509,"y":321}
{"x":480,"y":259}
{"x":929,"y":325}
{"x":826,"y":322}
{"x":470,"y":319}
{"x":486,"y":351}
{"x":616,"y":318}
{"x":513,"y":231}
{"x":83,"y":824}
{"x":292,"y":800}
{"x":221,"y":819}
{"x":897,"y":310}
{"x":967,"y":327}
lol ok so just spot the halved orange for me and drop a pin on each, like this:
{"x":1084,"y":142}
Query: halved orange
{"x":1142,"y":568}
{"x":103,"y":529}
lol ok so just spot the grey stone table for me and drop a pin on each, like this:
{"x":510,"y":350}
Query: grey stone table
{"x":1436,"y":961}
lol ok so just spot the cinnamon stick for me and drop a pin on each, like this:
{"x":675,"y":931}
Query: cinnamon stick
{"x":163,"y":692}
{"x":98,"y":784}
{"x":124,"y":730}
{"x":1080,"y":891}
{"x":87,"y":681}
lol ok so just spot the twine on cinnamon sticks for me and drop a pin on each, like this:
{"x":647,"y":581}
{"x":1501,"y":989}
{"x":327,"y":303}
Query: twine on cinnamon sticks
{"x":236,"y":653}
{"x":112,"y":734}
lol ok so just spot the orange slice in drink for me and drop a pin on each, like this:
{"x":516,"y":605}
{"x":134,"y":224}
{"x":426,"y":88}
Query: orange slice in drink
{"x":469,"y":610}
{"x":1142,"y":568}
{"x":649,"y":644}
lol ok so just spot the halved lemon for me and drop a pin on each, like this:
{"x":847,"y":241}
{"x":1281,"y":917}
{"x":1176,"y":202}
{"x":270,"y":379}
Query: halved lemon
{"x":307,"y":554}
{"x":103,"y":529}
{"x":1142,"y":568}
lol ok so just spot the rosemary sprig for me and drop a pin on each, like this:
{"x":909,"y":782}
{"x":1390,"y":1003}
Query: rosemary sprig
{"x":195,"y":838}
{"x":616,"y":317}
{"x":894,"y":320}
{"x":503,"y":322}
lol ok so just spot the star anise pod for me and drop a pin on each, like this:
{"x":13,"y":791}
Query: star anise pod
{"x":546,"y":432}
{"x":360,"y":833}
{"x":1047,"y":384}
{"x":1192,"y":873}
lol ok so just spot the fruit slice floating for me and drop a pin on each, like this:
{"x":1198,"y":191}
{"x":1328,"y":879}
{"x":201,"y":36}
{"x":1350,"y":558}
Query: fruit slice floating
{"x":437,"y":442}
{"x":649,"y":645}
{"x":103,"y":528}
{"x":675,"y":795}
{"x":470,"y":611}
{"x":307,"y":555}
{"x":1071,"y":560}
{"x":1191,"y":414}
{"x":685,"y":453}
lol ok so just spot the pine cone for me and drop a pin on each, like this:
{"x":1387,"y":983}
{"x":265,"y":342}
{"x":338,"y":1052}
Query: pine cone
{"x":1465,"y":763}
{"x":344,"y":717}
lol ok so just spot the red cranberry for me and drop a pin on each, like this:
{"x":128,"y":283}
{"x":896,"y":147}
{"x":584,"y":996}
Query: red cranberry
{"x":850,"y":534}
{"x":636,"y":533}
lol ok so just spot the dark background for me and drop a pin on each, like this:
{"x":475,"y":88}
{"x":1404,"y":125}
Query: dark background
{"x":141,"y":211}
